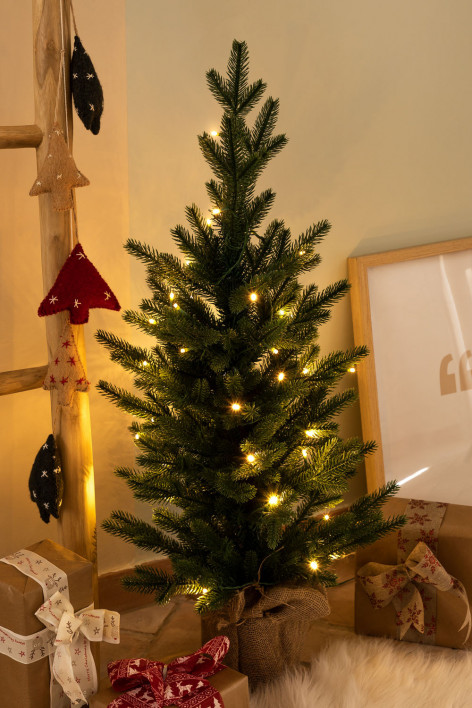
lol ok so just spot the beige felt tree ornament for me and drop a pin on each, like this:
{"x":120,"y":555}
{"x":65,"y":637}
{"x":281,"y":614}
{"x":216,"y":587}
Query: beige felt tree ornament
{"x":58,"y":174}
{"x":66,"y":372}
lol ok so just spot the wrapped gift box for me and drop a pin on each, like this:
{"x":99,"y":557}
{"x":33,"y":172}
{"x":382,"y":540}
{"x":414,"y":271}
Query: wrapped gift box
{"x":450,"y":540}
{"x":232,"y":685}
{"x":27,"y":685}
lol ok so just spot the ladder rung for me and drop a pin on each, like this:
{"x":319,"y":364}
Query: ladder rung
{"x":22,"y":379}
{"x":20,"y":136}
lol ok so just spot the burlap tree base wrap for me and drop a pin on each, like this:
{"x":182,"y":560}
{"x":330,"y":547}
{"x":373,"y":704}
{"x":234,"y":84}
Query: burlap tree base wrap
{"x":266,"y":628}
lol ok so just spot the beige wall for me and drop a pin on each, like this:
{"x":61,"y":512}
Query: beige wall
{"x":375,"y":98}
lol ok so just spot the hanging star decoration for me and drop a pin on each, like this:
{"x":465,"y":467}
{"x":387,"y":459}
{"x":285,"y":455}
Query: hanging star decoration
{"x":86,"y":88}
{"x":78,"y":287}
{"x":58,"y":174}
{"x":46,"y":482}
{"x":66,"y":372}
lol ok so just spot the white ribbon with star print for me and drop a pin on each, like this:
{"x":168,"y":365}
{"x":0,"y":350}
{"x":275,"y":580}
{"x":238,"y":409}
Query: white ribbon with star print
{"x":73,"y":666}
{"x":75,"y":669}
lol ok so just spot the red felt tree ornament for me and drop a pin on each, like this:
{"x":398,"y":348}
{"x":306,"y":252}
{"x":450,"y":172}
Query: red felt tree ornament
{"x":66,"y":372}
{"x":78,"y":287}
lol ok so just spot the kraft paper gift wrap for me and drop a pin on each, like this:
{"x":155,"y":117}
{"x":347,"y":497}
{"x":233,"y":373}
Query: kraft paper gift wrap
{"x":27,"y":685}
{"x":450,"y":540}
{"x":232,"y":685}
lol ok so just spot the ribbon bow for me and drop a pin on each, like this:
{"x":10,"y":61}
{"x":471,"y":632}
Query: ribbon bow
{"x":73,"y":665}
{"x":152,"y":683}
{"x":398,"y":584}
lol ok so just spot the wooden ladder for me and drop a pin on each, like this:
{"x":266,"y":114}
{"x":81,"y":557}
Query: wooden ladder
{"x":71,"y":425}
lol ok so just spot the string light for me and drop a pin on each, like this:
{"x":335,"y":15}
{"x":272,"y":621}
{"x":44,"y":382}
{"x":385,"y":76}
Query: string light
{"x":171,"y":296}
{"x":281,"y":313}
{"x":281,"y":376}
{"x":204,"y":591}
{"x":306,"y":371}
{"x":304,"y":452}
{"x":326,"y":517}
{"x":274,"y":350}
{"x":136,"y":437}
{"x":177,"y":307}
{"x":214,"y":133}
{"x":209,"y":222}
{"x":301,"y":253}
{"x":183,"y":350}
{"x":152,"y":420}
{"x":236,"y":406}
{"x":145,"y":363}
{"x":253,"y":297}
{"x":273,"y":500}
{"x":314,"y":565}
{"x":151,"y":320}
{"x":311,"y":433}
{"x":251,"y":458}
{"x":187,"y":262}
{"x":216,"y":211}
{"x":352,"y":369}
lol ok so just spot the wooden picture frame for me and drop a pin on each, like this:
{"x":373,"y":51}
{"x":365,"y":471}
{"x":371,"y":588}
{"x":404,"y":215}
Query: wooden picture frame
{"x":432,"y":287}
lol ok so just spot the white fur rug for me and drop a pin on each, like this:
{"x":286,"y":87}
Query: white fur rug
{"x":363,"y":672}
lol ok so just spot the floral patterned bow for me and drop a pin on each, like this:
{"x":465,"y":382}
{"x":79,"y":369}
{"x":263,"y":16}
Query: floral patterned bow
{"x":73,"y":665}
{"x":398,"y":584}
{"x":180,"y":683}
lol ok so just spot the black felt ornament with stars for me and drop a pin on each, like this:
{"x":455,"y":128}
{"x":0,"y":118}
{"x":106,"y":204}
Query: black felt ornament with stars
{"x":46,"y":482}
{"x":86,"y":88}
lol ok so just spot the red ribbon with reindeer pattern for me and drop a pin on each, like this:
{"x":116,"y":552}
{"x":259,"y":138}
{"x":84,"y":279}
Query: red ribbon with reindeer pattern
{"x":180,"y":683}
{"x":411,"y":586}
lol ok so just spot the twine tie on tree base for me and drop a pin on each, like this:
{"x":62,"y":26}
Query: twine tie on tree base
{"x":266,"y":629}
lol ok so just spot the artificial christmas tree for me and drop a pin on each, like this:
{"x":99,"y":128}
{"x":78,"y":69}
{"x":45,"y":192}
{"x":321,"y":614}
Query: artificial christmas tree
{"x":238,"y":450}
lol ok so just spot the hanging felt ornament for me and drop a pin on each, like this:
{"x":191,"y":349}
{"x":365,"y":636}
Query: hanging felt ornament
{"x":66,"y":372}
{"x":58,"y":174}
{"x":45,"y":480}
{"x":86,"y":88}
{"x":78,"y":287}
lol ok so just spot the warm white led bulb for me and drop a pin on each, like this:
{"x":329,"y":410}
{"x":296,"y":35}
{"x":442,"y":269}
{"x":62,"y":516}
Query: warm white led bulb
{"x":352,"y":369}
{"x":281,"y":313}
{"x":274,"y":350}
{"x":304,"y":452}
{"x":171,"y":296}
{"x":136,"y":437}
{"x":216,"y":211}
{"x":204,"y":591}
{"x":214,"y":133}
{"x":273,"y":500}
{"x":306,"y":371}
{"x":310,"y":433}
{"x":281,"y":376}
{"x":177,"y":307}
{"x":209,"y":222}
{"x":314,"y":565}
{"x":301,"y":253}
{"x":151,"y":320}
{"x":182,"y":350}
{"x":326,"y":517}
{"x":145,"y":363}
{"x":236,"y":406}
{"x":253,"y":297}
{"x":251,"y":458}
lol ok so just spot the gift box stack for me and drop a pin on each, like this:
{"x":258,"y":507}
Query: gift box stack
{"x":414,"y":584}
{"x":47,"y":622}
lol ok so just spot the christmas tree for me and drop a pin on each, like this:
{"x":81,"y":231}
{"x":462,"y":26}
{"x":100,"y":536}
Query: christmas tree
{"x":239,"y":451}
